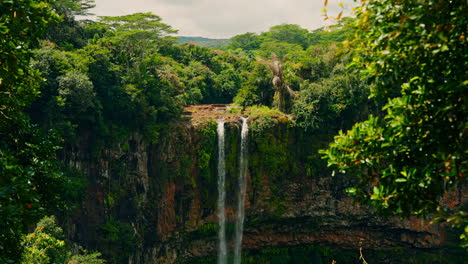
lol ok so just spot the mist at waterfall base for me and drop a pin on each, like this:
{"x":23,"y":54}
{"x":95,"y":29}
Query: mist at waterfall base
{"x":242,"y":184}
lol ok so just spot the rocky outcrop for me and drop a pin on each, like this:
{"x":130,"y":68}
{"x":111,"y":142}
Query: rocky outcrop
{"x":155,"y":202}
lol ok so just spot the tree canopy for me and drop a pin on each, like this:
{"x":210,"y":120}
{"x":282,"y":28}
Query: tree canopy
{"x":413,"y":52}
{"x":138,"y":26}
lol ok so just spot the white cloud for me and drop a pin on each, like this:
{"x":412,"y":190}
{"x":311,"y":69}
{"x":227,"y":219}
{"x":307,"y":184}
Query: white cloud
{"x":225,"y":18}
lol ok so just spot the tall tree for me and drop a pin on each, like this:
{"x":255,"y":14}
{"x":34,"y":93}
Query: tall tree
{"x":137,"y":35}
{"x":139,"y":26}
{"x":29,"y":180}
{"x":73,"y":7}
{"x":288,"y":33}
{"x":282,"y":89}
{"x":414,"y":52}
{"x":68,"y":32}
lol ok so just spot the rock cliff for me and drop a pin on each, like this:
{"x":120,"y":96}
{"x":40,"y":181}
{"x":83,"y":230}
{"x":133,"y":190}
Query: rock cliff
{"x":155,"y":202}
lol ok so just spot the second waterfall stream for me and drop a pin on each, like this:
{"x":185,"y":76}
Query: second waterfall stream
{"x":243,"y":160}
{"x":243,"y":163}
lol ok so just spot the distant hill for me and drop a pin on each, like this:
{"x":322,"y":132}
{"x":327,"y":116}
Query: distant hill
{"x":205,"y":42}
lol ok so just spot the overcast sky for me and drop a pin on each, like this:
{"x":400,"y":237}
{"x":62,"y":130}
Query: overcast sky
{"x":225,"y":18}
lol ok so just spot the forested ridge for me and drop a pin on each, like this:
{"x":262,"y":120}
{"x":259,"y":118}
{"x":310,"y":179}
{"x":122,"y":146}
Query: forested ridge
{"x":401,"y":65}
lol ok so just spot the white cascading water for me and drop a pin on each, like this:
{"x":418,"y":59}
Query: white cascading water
{"x":222,"y":250}
{"x":242,"y":191}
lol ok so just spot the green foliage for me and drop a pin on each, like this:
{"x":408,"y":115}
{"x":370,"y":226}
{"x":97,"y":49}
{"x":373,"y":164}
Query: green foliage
{"x":73,"y":7}
{"x":318,"y":62}
{"x":207,"y":135}
{"x":281,"y":49}
{"x":138,"y":26}
{"x":287,"y":33}
{"x":306,"y":57}
{"x":29,"y":182}
{"x":261,"y":111}
{"x":131,"y":78}
{"x":21,"y":26}
{"x":86,"y":258}
{"x":332,"y":102}
{"x":263,"y":119}
{"x":207,"y":230}
{"x":413,"y":52}
{"x":110,"y":87}
{"x":229,"y":81}
{"x":77,"y":92}
{"x":271,"y":153}
{"x":76,"y":186}
{"x":337,"y":33}
{"x":68,"y":33}
{"x":123,"y":75}
{"x":206,"y":160}
{"x":292,"y":38}
{"x":246,"y":41}
{"x":137,"y":35}
{"x":116,"y":240}
{"x":257,"y":90}
{"x":30,"y":185}
{"x":46,"y":246}
{"x":208,"y":76}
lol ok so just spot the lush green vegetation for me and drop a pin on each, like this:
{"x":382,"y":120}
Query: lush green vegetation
{"x":46,"y":245}
{"x":30,"y":182}
{"x":407,"y":159}
{"x":117,"y":240}
{"x":125,"y":74}
{"x":64,"y":82}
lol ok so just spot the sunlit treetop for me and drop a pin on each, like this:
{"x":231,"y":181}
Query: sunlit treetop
{"x":146,"y":25}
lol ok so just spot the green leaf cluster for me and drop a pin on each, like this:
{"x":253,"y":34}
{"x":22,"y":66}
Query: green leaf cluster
{"x":46,"y":246}
{"x":414,"y":53}
{"x":30,"y":181}
{"x":117,"y":240}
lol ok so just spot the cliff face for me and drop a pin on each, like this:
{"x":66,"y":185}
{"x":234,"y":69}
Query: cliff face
{"x":156,"y":202}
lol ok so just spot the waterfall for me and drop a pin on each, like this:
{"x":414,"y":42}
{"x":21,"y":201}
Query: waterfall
{"x":222,"y":253}
{"x":242,"y":192}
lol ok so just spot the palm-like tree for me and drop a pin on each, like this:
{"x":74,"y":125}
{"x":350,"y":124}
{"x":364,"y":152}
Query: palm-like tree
{"x":281,"y":87}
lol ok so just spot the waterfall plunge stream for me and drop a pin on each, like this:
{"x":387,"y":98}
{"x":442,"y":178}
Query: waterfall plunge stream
{"x":222,"y":249}
{"x":222,"y":253}
{"x":242,"y":192}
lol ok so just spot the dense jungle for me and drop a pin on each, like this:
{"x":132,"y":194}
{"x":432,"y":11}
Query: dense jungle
{"x":123,"y":142}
